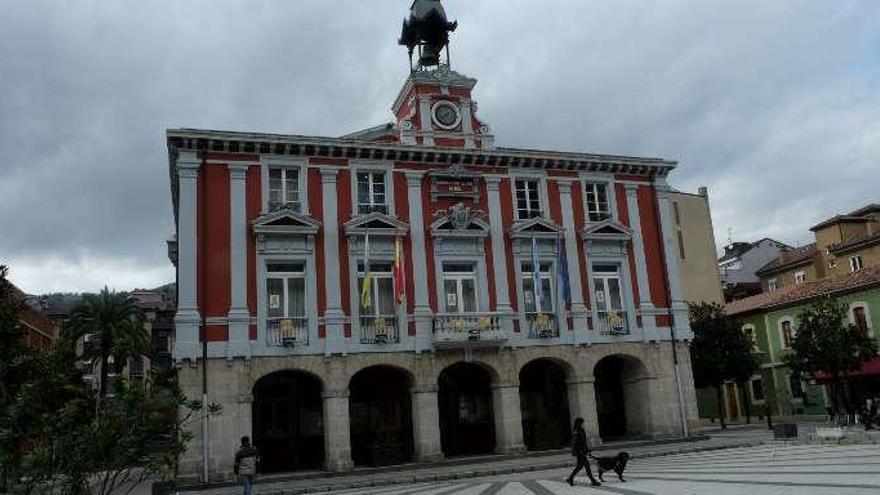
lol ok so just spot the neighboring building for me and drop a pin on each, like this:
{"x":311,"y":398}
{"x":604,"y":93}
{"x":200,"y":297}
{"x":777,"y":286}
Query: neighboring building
{"x":771,"y":318}
{"x":844,"y":244}
{"x":40,"y":332}
{"x":695,"y":247}
{"x":277,"y":236}
{"x":740,"y":263}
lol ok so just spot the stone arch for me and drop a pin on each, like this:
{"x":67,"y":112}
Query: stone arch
{"x":287,"y":411}
{"x":623,"y":396}
{"x":466,"y":408}
{"x":380,"y":412}
{"x":544,"y":402}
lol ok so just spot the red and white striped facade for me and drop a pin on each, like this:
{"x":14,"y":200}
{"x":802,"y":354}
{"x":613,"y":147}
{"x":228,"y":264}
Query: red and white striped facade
{"x":451,"y":195}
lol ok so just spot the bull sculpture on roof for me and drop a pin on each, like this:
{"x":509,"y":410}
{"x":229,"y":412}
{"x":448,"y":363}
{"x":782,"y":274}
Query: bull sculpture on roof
{"x":428,"y":29}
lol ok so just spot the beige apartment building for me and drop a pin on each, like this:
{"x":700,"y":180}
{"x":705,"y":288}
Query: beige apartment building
{"x":695,"y":247}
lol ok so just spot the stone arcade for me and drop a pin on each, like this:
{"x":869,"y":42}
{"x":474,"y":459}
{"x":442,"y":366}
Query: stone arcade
{"x":539,"y":286}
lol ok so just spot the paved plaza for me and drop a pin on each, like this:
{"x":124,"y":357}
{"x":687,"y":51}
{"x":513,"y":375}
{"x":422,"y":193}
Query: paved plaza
{"x":764,"y":470}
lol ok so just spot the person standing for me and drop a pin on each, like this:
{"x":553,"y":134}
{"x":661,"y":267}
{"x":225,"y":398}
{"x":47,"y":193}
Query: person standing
{"x":246,"y":464}
{"x":581,"y":451}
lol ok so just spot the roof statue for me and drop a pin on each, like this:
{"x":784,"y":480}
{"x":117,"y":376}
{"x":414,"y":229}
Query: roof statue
{"x":428,"y":29}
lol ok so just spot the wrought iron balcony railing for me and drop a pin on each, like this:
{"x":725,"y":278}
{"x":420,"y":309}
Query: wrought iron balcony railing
{"x":452,"y":328}
{"x":612,"y":322}
{"x":288,"y":331}
{"x":542,"y":325}
{"x":381,"y":329}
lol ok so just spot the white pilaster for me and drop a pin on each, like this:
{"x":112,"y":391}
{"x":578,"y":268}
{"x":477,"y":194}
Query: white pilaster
{"x":427,"y":129}
{"x":239,"y":316}
{"x":679,"y":307}
{"x":187,"y":319}
{"x":426,"y":425}
{"x":467,"y":124}
{"x":337,"y":431}
{"x":572,"y":258}
{"x":499,"y":252}
{"x":422,"y":306}
{"x":646,"y":307}
{"x":334,"y":317}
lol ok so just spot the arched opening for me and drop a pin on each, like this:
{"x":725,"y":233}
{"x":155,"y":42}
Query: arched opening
{"x":543,"y":395}
{"x":467,"y":421}
{"x":381,"y":417}
{"x":288,"y":416}
{"x":623,"y":406}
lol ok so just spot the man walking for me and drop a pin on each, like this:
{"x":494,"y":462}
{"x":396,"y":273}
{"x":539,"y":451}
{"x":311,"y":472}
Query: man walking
{"x":246,"y":463}
{"x":580,"y":450}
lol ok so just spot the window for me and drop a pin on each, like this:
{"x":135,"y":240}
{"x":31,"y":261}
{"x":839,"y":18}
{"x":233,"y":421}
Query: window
{"x":757,"y":390}
{"x":680,"y":245}
{"x":677,"y":213}
{"x":796,"y":386}
{"x":832,"y":263}
{"x":371,"y":195}
{"x":528,"y":198}
{"x":597,"y":202}
{"x":749,"y":331}
{"x":378,"y":320}
{"x":286,"y":303}
{"x":787,"y":334}
{"x":284,"y":188}
{"x":772,"y":285}
{"x":609,"y":299}
{"x":860,"y":318}
{"x":528,"y":283}
{"x":800,"y":277}
{"x":855,"y":263}
{"x":459,"y":288}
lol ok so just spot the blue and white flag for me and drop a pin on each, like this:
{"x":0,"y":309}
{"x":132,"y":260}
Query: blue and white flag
{"x":562,"y":272}
{"x":537,"y":287}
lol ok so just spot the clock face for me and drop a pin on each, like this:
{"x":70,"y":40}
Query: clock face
{"x":446,"y":115}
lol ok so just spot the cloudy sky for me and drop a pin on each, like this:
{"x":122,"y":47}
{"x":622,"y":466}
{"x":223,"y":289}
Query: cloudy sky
{"x":773,"y":105}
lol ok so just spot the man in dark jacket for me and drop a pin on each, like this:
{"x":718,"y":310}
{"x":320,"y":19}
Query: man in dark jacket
{"x":246,"y":464}
{"x":581,"y":451}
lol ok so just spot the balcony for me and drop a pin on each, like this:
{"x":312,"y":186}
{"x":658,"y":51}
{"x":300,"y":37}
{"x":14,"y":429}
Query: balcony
{"x":542,"y":325}
{"x":288,"y":332}
{"x":379,"y":330}
{"x":612,"y":323}
{"x":453,"y":330}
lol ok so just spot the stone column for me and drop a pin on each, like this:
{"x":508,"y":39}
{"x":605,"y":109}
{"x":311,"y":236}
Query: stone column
{"x":239,"y":316}
{"x":582,"y":404}
{"x":679,"y":307}
{"x":188,"y":318}
{"x":426,"y":424}
{"x":508,"y":419}
{"x":646,"y":307}
{"x":337,"y":431}
{"x":334,"y":317}
{"x":422,"y":306}
{"x":572,"y":258}
{"x":426,"y":126}
{"x":499,"y":252}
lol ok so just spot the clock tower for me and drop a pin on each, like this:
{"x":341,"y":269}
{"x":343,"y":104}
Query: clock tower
{"x":435,"y":106}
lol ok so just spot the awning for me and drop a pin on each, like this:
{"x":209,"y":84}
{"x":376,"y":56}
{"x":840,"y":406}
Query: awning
{"x":869,"y":369}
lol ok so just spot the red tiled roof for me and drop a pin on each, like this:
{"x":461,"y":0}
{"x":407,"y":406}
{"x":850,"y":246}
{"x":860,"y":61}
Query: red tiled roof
{"x":806,"y":291}
{"x":801,"y":255}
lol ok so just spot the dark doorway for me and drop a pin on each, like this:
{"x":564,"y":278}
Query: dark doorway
{"x":381,"y":417}
{"x":467,"y":422}
{"x":288,"y":417}
{"x":543,"y":394}
{"x":610,"y":404}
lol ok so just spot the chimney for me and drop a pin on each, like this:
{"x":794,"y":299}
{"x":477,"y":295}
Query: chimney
{"x":703,"y":191}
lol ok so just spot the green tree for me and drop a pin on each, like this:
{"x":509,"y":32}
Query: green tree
{"x":720,"y":352}
{"x":826,"y":344}
{"x":115,"y":323}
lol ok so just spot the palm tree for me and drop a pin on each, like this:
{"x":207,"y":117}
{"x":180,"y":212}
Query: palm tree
{"x":115,"y":322}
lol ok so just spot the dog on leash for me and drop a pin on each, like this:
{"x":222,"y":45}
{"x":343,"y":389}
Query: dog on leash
{"x":615,"y":463}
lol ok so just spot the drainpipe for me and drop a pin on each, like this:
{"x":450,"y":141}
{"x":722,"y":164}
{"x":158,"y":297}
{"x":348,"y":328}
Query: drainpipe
{"x":682,"y":410}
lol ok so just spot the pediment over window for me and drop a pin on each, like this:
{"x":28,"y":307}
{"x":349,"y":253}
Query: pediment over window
{"x":460,"y":221}
{"x":377,"y":224}
{"x":286,"y":221}
{"x":540,"y":228}
{"x":609,"y":230}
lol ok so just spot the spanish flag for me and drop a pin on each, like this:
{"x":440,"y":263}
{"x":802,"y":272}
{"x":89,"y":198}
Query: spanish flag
{"x":366,"y":289}
{"x":399,"y":272}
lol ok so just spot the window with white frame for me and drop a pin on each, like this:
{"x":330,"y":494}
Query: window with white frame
{"x":378,"y":319}
{"x":772,"y":285}
{"x":460,"y":288}
{"x":286,"y":302}
{"x":757,"y":386}
{"x":800,"y":277}
{"x":528,"y":198}
{"x":528,"y":284}
{"x":284,"y":188}
{"x":372,"y":192}
{"x":787,"y":331}
{"x":598,"y":208}
{"x":609,"y":299}
{"x":855,"y":263}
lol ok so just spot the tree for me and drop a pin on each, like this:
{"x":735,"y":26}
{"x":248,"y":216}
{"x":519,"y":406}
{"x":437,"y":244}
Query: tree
{"x":114,"y":321}
{"x":720,"y":352}
{"x":826,"y":344}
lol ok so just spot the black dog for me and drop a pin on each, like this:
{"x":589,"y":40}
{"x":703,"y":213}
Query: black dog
{"x":616,"y":463}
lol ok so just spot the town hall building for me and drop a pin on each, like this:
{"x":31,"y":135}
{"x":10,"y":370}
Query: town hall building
{"x":413,"y":292}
